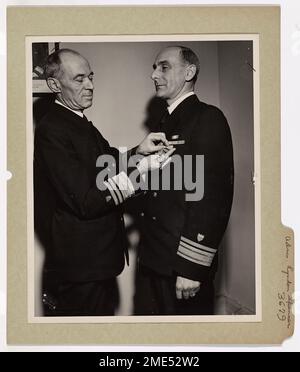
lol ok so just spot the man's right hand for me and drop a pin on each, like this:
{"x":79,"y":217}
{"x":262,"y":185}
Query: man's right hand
{"x":156,"y":161}
{"x":153,"y":143}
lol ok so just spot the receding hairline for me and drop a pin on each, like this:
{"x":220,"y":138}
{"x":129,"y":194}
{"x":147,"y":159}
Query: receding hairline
{"x":54,"y":65}
{"x":180,"y":49}
{"x":169,"y":48}
{"x":70,"y":52}
{"x":63,"y":52}
{"x":185,"y":54}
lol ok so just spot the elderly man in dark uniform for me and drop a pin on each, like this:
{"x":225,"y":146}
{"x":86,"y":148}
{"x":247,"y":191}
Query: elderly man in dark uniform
{"x":80,"y":223}
{"x":181,"y":234}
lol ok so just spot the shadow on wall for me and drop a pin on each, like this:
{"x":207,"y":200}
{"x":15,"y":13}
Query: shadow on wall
{"x":221,"y":278}
{"x":154,"y":111}
{"x":133,"y":208}
{"x":41,"y":106}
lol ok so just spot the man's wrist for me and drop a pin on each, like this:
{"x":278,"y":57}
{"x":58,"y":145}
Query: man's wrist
{"x":138,"y":151}
{"x":141,"y":168}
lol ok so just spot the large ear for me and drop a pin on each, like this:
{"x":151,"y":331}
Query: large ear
{"x":53,"y":85}
{"x":190,"y":72}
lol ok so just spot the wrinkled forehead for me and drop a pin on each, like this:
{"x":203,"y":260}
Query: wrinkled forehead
{"x":171,"y":54}
{"x":73,"y":64}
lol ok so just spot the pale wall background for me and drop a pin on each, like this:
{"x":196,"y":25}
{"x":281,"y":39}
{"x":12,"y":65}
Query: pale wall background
{"x":123,"y":89}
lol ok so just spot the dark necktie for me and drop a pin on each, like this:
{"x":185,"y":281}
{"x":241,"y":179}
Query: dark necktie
{"x":163,"y":120}
{"x":86,"y":119}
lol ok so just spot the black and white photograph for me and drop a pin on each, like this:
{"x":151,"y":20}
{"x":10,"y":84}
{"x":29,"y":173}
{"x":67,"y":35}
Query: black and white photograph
{"x":144,"y":160}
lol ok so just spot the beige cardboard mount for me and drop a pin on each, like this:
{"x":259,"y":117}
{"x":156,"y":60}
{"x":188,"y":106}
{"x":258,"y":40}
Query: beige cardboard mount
{"x":277,"y":241}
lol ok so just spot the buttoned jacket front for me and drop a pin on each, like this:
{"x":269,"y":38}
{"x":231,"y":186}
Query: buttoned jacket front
{"x":80,"y":226}
{"x":181,"y":236}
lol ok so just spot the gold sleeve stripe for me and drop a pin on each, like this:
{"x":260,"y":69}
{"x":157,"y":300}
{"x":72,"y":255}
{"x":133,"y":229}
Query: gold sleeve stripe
{"x":107,"y":184}
{"x":208,"y":256}
{"x":197,"y":250}
{"x":116,"y":190}
{"x":197,"y":245}
{"x":195,"y":255}
{"x":196,"y":261}
{"x":124,"y":184}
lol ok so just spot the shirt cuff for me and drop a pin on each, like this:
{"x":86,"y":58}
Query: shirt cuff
{"x":120,"y":187}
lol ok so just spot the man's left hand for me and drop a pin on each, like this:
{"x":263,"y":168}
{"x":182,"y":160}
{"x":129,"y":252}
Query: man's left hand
{"x":186,"y":288}
{"x":153,"y":143}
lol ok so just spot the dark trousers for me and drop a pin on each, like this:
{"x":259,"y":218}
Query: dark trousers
{"x":156,"y":295}
{"x":97,"y":298}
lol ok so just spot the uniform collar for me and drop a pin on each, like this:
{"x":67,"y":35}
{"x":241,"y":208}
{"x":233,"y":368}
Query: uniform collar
{"x":172,"y":107}
{"x":81,"y":124}
{"x":79,"y":113}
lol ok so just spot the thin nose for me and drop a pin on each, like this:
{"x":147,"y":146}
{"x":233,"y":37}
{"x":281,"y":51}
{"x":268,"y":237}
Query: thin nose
{"x":154,"y":75}
{"x":89,"y":84}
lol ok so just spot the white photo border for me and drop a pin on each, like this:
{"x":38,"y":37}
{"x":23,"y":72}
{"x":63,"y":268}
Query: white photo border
{"x":257,"y":175}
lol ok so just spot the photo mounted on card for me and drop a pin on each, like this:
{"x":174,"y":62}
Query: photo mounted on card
{"x":144,"y":206}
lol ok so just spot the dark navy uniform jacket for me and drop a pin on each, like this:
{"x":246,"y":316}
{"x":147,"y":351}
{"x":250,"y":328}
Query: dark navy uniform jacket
{"x":80,"y":226}
{"x":181,"y":236}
